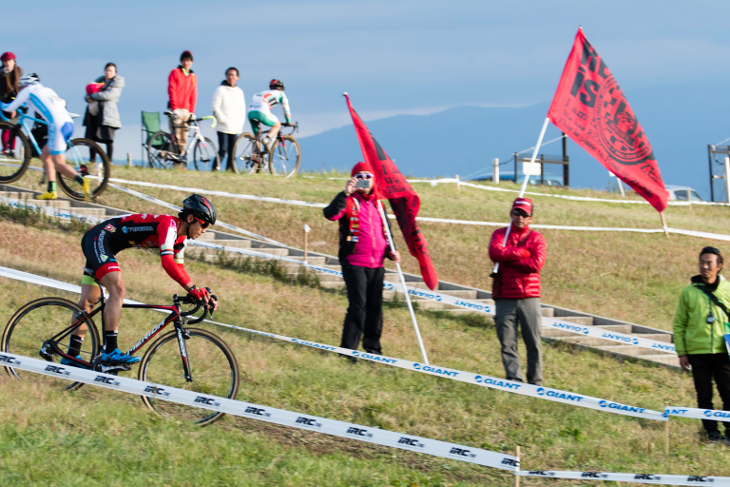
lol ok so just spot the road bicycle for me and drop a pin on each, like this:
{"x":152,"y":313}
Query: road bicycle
{"x":164,"y":151}
{"x":251,"y":156}
{"x":21,"y":147}
{"x":187,"y":358}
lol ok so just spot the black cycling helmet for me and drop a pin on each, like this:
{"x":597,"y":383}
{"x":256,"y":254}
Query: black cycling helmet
{"x":200,"y":207}
{"x":276,"y":84}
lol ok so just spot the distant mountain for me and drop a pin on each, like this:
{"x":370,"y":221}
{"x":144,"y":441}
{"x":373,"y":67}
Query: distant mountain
{"x":679,"y":120}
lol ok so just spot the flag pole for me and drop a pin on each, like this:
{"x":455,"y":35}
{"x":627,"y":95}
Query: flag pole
{"x":664,"y":224}
{"x":403,"y":283}
{"x":527,"y":178}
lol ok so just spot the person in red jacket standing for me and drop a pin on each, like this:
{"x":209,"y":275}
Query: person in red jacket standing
{"x":516,"y":291}
{"x":182,"y":88}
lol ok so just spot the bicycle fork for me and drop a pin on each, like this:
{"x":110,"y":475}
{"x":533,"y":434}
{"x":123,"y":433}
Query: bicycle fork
{"x":182,"y":335}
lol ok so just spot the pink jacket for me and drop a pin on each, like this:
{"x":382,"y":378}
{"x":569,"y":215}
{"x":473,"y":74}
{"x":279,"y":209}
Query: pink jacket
{"x":520,"y":262}
{"x":371,"y":244}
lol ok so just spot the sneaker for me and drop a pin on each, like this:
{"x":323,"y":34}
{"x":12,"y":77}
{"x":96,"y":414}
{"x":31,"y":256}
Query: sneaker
{"x":71,"y":363}
{"x":715,"y":436}
{"x":117,"y":357}
{"x":87,"y":189}
{"x":48,"y":195}
{"x":268,"y":143}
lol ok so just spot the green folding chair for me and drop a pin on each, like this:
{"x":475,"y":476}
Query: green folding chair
{"x":151,"y":125}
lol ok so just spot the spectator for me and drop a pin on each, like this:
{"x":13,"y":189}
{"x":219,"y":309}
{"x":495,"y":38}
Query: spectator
{"x":182,"y":88}
{"x":363,"y":247}
{"x":516,"y":291}
{"x":9,"y":77}
{"x":102,"y":114}
{"x":699,"y":327}
{"x":229,"y":108}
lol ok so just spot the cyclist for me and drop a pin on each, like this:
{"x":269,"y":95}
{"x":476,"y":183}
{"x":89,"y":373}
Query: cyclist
{"x":60,"y":129}
{"x":100,"y":246}
{"x":259,"y":111}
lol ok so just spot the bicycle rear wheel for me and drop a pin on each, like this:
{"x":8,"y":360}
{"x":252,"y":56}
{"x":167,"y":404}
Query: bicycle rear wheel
{"x":213,"y":366}
{"x":87,"y":159}
{"x":205,"y":155}
{"x":159,"y":150}
{"x":35,"y":324}
{"x":246,"y":159}
{"x":285,"y":157}
{"x":15,"y":154}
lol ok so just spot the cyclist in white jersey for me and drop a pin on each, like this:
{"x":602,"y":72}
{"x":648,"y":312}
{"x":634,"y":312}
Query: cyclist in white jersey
{"x":60,"y":130}
{"x":259,"y":111}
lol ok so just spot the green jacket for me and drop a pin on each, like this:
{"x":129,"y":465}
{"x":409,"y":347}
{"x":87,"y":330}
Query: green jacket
{"x":692,"y":333}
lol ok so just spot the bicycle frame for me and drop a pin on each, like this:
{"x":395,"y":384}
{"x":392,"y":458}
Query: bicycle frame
{"x":175,"y":317}
{"x":196,"y":136}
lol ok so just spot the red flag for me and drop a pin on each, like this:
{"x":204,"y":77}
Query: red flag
{"x":591,"y":108}
{"x":392,"y":185}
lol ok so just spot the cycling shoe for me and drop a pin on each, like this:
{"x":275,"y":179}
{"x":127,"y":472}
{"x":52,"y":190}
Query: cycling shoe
{"x":65,"y":361}
{"x":117,"y":357}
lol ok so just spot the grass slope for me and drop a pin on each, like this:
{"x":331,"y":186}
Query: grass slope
{"x":98,"y":437}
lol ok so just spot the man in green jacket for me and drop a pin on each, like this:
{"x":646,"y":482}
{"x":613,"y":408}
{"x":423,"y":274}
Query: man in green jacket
{"x":699,"y":329}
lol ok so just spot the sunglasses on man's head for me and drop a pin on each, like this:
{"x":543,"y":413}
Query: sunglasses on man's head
{"x":202,"y":223}
{"x":363,"y":176}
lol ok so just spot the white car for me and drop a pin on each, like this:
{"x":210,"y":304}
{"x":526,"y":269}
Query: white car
{"x":679,"y":193}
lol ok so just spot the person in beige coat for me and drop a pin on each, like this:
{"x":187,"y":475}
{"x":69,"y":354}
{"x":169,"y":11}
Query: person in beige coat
{"x":229,"y":109}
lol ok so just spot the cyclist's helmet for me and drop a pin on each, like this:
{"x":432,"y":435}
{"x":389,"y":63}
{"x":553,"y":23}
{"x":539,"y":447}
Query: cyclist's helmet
{"x":28,"y":79}
{"x":200,"y":207}
{"x":276,"y":84}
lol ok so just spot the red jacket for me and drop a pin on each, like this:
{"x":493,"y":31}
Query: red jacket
{"x":520,"y":262}
{"x":182,"y":90}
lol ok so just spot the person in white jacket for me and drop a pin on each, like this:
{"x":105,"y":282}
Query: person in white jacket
{"x":229,"y":108}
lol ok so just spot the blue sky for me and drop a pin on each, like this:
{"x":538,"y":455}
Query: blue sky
{"x":393,"y":57}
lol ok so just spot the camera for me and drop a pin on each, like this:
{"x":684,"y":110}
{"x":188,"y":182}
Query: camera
{"x":362,"y":183}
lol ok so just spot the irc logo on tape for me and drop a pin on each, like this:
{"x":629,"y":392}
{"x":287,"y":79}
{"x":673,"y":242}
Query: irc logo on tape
{"x":404,"y":440}
{"x":699,"y":479}
{"x":359,"y":432}
{"x":308,"y":422}
{"x":511,"y":462}
{"x":257,"y":411}
{"x":541,"y":473}
{"x":647,"y":476}
{"x":158,"y":391}
{"x":209,"y":401}
{"x":103,"y":379}
{"x":461,"y":452}
{"x":57,"y":370}
{"x":593,"y":475}
{"x":9,"y":360}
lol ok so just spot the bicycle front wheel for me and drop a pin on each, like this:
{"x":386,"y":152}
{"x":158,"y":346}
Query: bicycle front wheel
{"x":214,"y":371}
{"x":31,"y":331}
{"x":205,"y":155}
{"x":285,"y":157}
{"x":88,"y":159}
{"x":15,"y":153}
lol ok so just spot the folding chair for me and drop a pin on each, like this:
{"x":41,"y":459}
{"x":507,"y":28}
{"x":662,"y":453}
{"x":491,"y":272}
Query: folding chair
{"x":150,"y":125}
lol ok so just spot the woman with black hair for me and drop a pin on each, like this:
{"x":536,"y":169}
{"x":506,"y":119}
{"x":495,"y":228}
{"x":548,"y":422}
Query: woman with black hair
{"x":102,"y":118}
{"x":9,"y":76}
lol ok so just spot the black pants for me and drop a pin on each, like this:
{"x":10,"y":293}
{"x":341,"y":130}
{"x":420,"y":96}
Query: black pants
{"x":704,"y":368}
{"x":365,"y":310}
{"x":225,"y":146}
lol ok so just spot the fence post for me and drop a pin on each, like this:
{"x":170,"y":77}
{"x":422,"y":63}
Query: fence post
{"x":666,"y":433}
{"x":307,"y":228}
{"x":517,"y":477}
{"x":727,"y":178}
{"x":129,"y":159}
{"x":495,"y":170}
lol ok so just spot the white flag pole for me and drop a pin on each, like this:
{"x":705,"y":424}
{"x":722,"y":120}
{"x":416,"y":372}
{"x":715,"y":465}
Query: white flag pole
{"x":403,"y":282}
{"x":527,"y":178}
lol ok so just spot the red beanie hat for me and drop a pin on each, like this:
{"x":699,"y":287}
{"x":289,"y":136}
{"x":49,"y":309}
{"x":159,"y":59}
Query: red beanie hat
{"x":7,"y":56}
{"x":360,"y":166}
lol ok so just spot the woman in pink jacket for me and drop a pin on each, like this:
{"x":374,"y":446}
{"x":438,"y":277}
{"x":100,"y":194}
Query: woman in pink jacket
{"x":363,"y":248}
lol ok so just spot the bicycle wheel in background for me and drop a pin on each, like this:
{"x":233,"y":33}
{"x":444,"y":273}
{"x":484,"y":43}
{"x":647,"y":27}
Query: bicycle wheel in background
{"x":15,"y":154}
{"x":213,"y":366}
{"x":285,"y":157}
{"x":38,"y":321}
{"x":245,"y":161}
{"x":158,"y":150}
{"x":88,"y":159}
{"x":205,"y":155}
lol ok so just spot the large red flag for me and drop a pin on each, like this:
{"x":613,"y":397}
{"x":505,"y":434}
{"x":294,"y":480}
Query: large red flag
{"x":404,"y":201}
{"x":590,"y":107}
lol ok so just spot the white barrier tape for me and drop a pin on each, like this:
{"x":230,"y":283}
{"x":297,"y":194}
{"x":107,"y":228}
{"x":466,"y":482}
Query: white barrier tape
{"x":341,"y":429}
{"x":539,"y":392}
{"x":638,"y":478}
{"x":695,"y":413}
{"x":420,"y":218}
{"x":177,"y":208}
{"x":48,"y":210}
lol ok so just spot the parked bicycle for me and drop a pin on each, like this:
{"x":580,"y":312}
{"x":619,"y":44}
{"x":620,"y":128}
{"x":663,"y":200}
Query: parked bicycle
{"x":164,"y":151}
{"x":187,"y":358}
{"x":22,"y":149}
{"x":250,"y":154}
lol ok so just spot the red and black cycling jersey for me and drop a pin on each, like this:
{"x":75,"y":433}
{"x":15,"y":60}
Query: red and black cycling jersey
{"x":105,"y":240}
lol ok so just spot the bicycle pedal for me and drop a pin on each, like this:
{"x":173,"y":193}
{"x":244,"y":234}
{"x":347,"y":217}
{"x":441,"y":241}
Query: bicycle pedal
{"x":110,"y":369}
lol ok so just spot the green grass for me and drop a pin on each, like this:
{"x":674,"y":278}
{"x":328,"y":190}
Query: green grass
{"x":99,"y":437}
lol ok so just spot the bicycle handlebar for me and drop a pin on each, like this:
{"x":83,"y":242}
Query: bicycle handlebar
{"x":189,"y":299}
{"x":294,"y":127}
{"x":195,"y":120}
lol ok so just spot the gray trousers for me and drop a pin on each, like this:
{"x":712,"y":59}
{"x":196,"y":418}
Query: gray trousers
{"x":527,"y":313}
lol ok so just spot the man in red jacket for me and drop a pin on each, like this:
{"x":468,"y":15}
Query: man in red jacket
{"x":182,"y":88}
{"x":516,"y":291}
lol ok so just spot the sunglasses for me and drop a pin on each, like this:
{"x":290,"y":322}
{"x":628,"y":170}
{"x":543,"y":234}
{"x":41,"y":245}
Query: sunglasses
{"x":521,"y":213}
{"x":202,"y":223}
{"x":363,"y":176}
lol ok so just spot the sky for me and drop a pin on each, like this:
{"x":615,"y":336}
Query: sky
{"x":392,"y":57}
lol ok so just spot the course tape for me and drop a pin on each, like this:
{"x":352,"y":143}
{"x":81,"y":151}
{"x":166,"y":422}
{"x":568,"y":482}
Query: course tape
{"x":367,"y":434}
{"x":390,"y":286}
{"x":691,"y":233}
{"x":638,"y":478}
{"x":696,"y":413}
{"x":539,"y":392}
